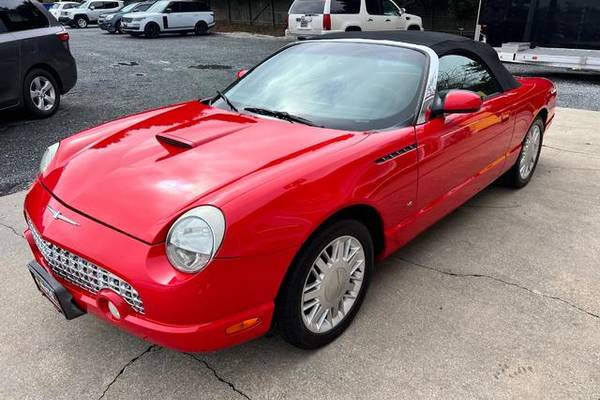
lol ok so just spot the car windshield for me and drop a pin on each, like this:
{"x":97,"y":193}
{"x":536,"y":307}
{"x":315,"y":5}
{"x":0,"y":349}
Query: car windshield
{"x":67,"y":6}
{"x":85,"y":4}
{"x":129,"y":7}
{"x":340,"y":85}
{"x":159,"y":6}
{"x":55,"y":6}
{"x":308,"y":7}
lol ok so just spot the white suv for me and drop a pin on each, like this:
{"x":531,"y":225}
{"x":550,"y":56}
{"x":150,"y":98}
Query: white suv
{"x":88,"y":12}
{"x":164,"y":16}
{"x":316,"y":17}
{"x":60,"y":6}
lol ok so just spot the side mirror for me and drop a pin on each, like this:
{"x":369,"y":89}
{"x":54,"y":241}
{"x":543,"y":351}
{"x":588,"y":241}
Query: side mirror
{"x":240,"y":74}
{"x":456,"y":102}
{"x":92,"y":7}
{"x":402,"y":10}
{"x":168,"y":10}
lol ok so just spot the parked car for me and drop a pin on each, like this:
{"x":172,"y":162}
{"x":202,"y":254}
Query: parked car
{"x":170,"y":16}
{"x":56,"y":8}
{"x":112,"y":22}
{"x":88,"y":12}
{"x":198,"y":225}
{"x":317,"y":17}
{"x":36,"y":65}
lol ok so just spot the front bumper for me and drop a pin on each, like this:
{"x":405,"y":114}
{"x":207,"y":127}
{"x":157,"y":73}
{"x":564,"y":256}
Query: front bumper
{"x":131,"y":27}
{"x":181,"y":311}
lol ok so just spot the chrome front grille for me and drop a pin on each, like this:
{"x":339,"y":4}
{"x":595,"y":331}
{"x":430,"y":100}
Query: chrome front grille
{"x":83,"y":273}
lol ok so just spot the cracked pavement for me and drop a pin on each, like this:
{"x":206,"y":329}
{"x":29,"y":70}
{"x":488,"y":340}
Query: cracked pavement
{"x":498,"y":300}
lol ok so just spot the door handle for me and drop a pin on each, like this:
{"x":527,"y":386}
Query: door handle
{"x":388,"y":20}
{"x":370,"y":20}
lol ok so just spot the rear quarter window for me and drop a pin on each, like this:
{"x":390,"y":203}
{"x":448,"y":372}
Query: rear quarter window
{"x":345,"y":6}
{"x":21,"y":15}
{"x":308,"y":7}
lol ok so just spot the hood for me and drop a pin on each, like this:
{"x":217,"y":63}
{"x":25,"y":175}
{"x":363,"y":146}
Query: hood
{"x":139,"y":173}
{"x":139,"y":14}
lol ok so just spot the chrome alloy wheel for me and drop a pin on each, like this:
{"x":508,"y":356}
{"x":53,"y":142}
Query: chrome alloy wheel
{"x":42,"y":92}
{"x":333,"y":284}
{"x":531,"y":150}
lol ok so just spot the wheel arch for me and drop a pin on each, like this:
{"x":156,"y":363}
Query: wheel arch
{"x":50,"y":70}
{"x":363,"y":213}
{"x":353,"y":28}
{"x":542,"y":113}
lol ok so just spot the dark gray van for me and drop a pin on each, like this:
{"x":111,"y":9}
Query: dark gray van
{"x":36,"y":65}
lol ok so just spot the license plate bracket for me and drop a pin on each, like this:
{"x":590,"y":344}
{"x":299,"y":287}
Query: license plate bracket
{"x":54,"y":292}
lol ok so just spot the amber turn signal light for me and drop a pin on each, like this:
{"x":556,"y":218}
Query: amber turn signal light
{"x":242,"y":326}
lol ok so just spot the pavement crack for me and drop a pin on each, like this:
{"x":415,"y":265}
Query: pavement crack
{"x":493,"y":278}
{"x":591,"y":155}
{"x":133,"y":360}
{"x":219,"y":377}
{"x":490,"y":206}
{"x":12,"y":229}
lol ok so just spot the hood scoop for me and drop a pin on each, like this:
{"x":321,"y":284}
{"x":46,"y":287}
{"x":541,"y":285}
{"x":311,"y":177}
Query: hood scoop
{"x":189,"y":135}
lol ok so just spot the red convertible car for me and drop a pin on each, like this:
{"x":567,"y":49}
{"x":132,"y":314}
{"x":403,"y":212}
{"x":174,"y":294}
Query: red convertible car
{"x":201,"y":225}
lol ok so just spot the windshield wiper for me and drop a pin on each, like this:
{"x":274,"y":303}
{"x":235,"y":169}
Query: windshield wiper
{"x":229,"y":103}
{"x":281,"y":115}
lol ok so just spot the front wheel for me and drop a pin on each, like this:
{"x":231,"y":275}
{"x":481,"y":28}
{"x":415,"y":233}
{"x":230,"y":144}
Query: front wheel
{"x":151,"y":31}
{"x":522,"y":172}
{"x":326,"y":285}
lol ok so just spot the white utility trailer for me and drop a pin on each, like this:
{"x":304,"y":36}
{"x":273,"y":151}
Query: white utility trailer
{"x":556,"y":33}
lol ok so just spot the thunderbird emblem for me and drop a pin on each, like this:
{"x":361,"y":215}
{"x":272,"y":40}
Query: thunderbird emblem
{"x":58,"y":215}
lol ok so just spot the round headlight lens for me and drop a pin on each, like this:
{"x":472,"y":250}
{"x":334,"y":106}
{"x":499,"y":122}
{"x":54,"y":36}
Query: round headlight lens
{"x":194,"y":238}
{"x":48,"y":156}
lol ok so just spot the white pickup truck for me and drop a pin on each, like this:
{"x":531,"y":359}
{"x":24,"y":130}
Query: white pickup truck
{"x":317,"y":17}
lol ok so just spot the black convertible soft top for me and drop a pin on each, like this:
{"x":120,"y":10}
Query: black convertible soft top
{"x":442,"y":44}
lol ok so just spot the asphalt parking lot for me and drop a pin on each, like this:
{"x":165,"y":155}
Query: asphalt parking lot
{"x":120,"y":75}
{"x":496,"y":301}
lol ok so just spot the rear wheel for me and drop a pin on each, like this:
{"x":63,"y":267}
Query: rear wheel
{"x":152,"y":30}
{"x":326,"y":285}
{"x":201,"y":28}
{"x":41,"y":93}
{"x":522,"y":172}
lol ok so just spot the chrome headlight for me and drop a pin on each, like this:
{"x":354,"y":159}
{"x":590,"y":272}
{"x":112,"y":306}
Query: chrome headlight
{"x":194,"y":238}
{"x":48,"y":156}
{"x":108,"y":17}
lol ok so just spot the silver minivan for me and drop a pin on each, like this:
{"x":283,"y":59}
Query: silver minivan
{"x":36,"y":65}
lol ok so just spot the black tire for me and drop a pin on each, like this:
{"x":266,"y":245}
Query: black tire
{"x":81,"y":22}
{"x":513,"y":176}
{"x":288,"y":314}
{"x":201,"y":28}
{"x":353,"y":29}
{"x":414,"y":28}
{"x":28,"y":102}
{"x":152,"y":30}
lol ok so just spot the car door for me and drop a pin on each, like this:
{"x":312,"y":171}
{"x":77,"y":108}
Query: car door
{"x":173,"y":18}
{"x":462,"y":153}
{"x":377,"y":19}
{"x":393,"y":15}
{"x":9,"y":67}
